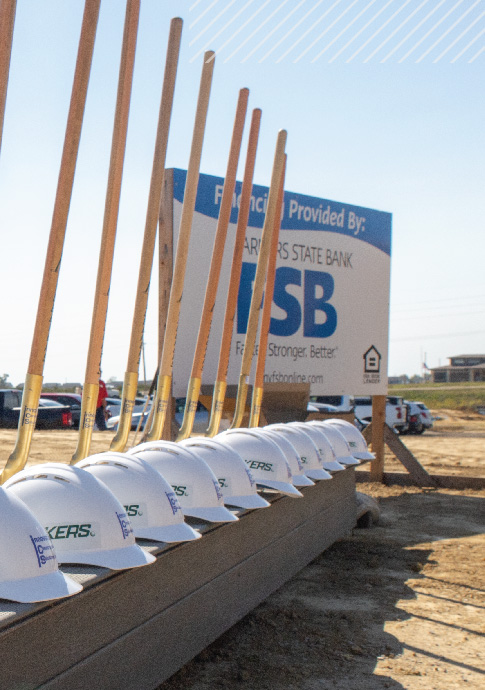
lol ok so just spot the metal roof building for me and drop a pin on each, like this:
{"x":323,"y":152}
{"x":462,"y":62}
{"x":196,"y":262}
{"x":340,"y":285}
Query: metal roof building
{"x":460,"y":368}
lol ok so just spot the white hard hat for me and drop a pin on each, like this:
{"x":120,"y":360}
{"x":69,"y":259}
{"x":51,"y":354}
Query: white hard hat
{"x":329,"y":459}
{"x":354,"y":438}
{"x":339,"y":444}
{"x":236,"y":482}
{"x":148,"y":498}
{"x":291,"y":455}
{"x":266,"y":461}
{"x":193,"y":482}
{"x":306,"y":448}
{"x":84,"y":519}
{"x":28,"y":566}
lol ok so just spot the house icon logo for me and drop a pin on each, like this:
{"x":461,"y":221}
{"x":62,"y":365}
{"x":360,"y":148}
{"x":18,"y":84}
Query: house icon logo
{"x":372,"y":360}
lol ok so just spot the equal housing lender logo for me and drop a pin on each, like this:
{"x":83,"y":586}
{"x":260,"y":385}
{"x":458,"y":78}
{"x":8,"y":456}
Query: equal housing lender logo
{"x":372,"y":365}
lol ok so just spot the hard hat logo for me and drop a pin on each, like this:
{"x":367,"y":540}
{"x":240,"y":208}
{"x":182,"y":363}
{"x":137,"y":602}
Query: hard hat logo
{"x":258,"y":465}
{"x":182,"y":491}
{"x":134,"y":510}
{"x":67,"y":531}
{"x":43,"y":550}
{"x":235,"y":480}
{"x":125,"y":525}
{"x":266,"y":461}
{"x":174,"y":504}
{"x":218,"y":490}
{"x":251,"y":478}
{"x":29,"y":416}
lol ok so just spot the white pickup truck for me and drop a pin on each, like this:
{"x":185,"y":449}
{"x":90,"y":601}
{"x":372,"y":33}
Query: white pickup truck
{"x":395,"y":411}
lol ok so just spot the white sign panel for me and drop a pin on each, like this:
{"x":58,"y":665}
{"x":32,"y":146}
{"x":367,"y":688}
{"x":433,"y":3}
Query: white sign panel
{"x":330,"y":314}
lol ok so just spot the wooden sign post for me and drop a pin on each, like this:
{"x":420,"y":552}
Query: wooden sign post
{"x":378,"y":422}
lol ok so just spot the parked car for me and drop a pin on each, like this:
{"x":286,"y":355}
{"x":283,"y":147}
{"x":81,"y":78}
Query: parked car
{"x":396,"y":404}
{"x":112,"y":422}
{"x":44,"y":402}
{"x":341,"y":403}
{"x":201,"y":421}
{"x":321,"y":407}
{"x":113,"y":406}
{"x":395,"y":411}
{"x":51,"y":417}
{"x":426,"y":415}
{"x":72,"y":400}
{"x":418,"y":418}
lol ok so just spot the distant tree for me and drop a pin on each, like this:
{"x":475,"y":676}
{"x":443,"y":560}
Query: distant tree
{"x":4,"y":382}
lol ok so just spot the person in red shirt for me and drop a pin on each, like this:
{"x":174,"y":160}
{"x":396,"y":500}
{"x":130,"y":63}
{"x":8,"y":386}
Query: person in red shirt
{"x":101,"y":407}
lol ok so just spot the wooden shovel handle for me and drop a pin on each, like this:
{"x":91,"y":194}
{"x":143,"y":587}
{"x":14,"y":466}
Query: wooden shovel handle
{"x":110,"y":222}
{"x":220,"y":236}
{"x":7,"y":20}
{"x":242,"y":223}
{"x":190,"y":193}
{"x":162,"y":397}
{"x":130,"y":383}
{"x":64,"y":188}
{"x":33,"y":380}
{"x":155,"y":193}
{"x":261,"y":269}
{"x":269,"y":289}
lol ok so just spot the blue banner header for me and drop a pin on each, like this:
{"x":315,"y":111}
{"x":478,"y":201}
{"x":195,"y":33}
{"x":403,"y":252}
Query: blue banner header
{"x":301,"y":212}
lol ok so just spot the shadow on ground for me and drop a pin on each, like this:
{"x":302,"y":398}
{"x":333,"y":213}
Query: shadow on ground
{"x":325,"y":627}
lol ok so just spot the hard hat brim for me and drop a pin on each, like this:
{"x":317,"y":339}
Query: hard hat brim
{"x":302,"y":480}
{"x":318,"y":474}
{"x":115,"y":559}
{"x":283,"y":487}
{"x":46,"y":587}
{"x":168,"y":533}
{"x":364,"y":455}
{"x":347,"y":460}
{"x":217,"y":514}
{"x":249,"y":502}
{"x":332,"y":466}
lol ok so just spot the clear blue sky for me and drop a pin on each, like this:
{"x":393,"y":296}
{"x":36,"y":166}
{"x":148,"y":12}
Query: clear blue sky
{"x":384,"y":105}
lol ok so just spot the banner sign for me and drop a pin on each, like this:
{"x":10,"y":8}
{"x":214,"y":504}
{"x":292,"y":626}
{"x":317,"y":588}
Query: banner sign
{"x":330,"y":315}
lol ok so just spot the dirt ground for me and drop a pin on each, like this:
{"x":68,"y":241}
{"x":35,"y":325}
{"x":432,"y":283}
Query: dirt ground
{"x":400,"y":605}
{"x":454,"y":446}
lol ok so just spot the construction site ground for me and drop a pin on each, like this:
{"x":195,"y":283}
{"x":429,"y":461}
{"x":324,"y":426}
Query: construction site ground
{"x":399,"y":605}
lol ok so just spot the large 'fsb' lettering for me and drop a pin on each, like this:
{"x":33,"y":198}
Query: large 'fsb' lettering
{"x":318,"y":288}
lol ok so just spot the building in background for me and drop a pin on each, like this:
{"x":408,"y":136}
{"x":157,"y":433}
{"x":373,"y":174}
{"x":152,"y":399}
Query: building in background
{"x":460,"y":368}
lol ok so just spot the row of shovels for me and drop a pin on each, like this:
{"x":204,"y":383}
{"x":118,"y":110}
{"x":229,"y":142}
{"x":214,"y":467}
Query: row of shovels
{"x":264,"y":279}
